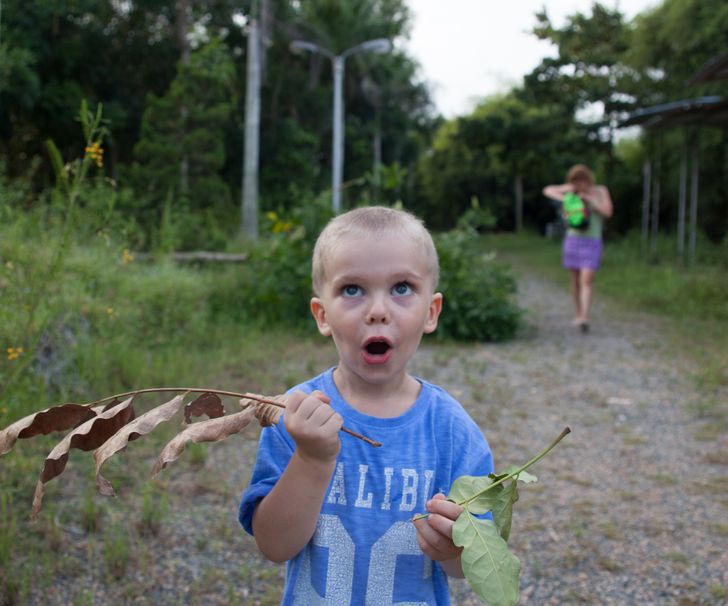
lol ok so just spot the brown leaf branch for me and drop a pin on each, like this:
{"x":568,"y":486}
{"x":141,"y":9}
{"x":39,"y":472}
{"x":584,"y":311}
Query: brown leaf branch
{"x":131,"y":431}
{"x":222,"y":392}
{"x":211,"y":430}
{"x":88,"y":436}
{"x":56,"y":418}
{"x":108,"y":425}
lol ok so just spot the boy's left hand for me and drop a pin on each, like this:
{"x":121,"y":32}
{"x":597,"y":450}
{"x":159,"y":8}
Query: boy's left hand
{"x":434,"y":533}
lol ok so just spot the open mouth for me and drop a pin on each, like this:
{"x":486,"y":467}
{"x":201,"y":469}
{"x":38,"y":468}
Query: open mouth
{"x":377,"y":350}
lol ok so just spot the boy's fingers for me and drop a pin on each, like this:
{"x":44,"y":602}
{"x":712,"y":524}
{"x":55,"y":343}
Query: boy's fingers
{"x":435,"y":544}
{"x":321,"y":415}
{"x":440,"y":505}
{"x":294,"y":399}
{"x":321,"y":396}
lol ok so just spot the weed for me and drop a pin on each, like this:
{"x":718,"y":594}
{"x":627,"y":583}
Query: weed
{"x":632,"y":440}
{"x":116,"y":551}
{"x":717,"y":457}
{"x":664,"y":479}
{"x":611,"y":531}
{"x":719,"y":528}
{"x":718,"y":592}
{"x":91,"y":512}
{"x":677,"y":556}
{"x":197,"y":454}
{"x":83,"y":597}
{"x":710,"y":431}
{"x":609,"y":564}
{"x":154,"y":511}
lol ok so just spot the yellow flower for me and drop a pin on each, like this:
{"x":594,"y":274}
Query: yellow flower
{"x":126,"y":256}
{"x":110,"y":311}
{"x":4,"y":410}
{"x":96,"y":152}
{"x":281,"y":227}
{"x":14,"y":353}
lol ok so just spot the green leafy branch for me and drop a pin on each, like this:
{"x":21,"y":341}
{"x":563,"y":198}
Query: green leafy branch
{"x":490,"y":568}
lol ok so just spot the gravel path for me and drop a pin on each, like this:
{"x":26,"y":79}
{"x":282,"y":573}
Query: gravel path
{"x":631,"y":508}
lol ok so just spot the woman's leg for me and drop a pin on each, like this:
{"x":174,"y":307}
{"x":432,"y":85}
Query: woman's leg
{"x":576,"y":294}
{"x":586,"y":280}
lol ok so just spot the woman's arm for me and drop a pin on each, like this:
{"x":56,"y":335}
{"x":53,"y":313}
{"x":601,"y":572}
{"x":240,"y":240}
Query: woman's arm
{"x":601,"y":201}
{"x":557,"y":192}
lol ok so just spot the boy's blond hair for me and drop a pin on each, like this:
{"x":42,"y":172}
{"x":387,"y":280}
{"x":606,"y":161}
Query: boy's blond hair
{"x":371,"y":221}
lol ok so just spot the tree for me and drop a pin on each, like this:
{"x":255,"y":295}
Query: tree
{"x":205,"y":87}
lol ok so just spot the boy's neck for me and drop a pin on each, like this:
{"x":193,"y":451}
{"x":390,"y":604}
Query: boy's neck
{"x":388,"y":400}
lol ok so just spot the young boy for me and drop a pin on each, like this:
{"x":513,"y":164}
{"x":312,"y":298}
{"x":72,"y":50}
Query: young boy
{"x":339,"y":511}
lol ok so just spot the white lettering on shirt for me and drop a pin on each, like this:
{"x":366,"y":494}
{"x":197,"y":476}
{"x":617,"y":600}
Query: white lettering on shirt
{"x":409,"y":489}
{"x":337,"y":494}
{"x":360,"y":500}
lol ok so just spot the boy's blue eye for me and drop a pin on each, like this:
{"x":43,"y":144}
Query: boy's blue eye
{"x":351,"y":290}
{"x":401,"y":289}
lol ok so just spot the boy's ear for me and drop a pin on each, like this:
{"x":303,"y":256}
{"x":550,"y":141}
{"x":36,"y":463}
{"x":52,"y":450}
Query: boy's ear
{"x":319,"y":314}
{"x":433,"y":313}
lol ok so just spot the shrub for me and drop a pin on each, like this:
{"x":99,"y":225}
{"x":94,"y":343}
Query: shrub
{"x":478,"y":292}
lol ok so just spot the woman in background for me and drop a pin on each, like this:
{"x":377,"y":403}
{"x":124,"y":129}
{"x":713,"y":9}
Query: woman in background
{"x":582,"y":250}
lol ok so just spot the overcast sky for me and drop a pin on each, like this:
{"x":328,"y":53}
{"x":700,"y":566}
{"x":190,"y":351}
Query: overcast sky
{"x":470,"y":49}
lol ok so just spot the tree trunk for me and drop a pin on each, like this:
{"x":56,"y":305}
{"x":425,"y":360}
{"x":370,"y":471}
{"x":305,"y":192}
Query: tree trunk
{"x":518,"y":186}
{"x":249,"y":211}
{"x":182,"y":23}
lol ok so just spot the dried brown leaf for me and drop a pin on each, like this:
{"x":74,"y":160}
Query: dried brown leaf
{"x":268,"y":410}
{"x":208,"y":404}
{"x":211,"y":430}
{"x":138,"y":427}
{"x":89,"y":435}
{"x":56,"y":418}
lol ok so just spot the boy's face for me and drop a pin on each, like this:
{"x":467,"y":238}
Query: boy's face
{"x":376,"y":303}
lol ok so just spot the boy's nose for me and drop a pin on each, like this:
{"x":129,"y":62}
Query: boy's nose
{"x":378,"y":313}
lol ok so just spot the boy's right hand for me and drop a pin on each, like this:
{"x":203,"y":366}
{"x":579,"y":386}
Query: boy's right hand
{"x":313,"y":425}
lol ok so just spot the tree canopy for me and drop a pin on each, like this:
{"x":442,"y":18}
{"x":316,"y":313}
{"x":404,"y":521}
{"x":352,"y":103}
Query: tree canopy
{"x":171,"y":78}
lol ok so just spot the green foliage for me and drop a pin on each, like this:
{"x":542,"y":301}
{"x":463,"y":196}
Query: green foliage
{"x":490,"y":568}
{"x":483,"y":153}
{"x":476,"y":218}
{"x":478,"y":291}
{"x":181,"y":152}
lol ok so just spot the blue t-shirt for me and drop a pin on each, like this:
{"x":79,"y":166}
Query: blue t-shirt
{"x":364,"y":550}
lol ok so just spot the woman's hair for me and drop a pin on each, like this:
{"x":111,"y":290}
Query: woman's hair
{"x":371,"y":221}
{"x":579,"y":172}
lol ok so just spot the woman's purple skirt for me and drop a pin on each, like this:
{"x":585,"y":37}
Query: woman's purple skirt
{"x":582,"y":253}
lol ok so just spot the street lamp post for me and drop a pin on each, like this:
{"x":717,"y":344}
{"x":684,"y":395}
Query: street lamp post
{"x":378,"y":45}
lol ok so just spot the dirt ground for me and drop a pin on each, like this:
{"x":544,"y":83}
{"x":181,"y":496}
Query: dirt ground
{"x":631,"y":508}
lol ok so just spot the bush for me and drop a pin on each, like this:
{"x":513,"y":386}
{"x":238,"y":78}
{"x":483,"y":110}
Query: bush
{"x":478,"y":291}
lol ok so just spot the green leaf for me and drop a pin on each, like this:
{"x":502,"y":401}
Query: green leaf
{"x":489,"y":567}
{"x":464,"y":487}
{"x":503,"y":508}
{"x":523,"y":476}
{"x":57,"y":163}
{"x":527,"y":478}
